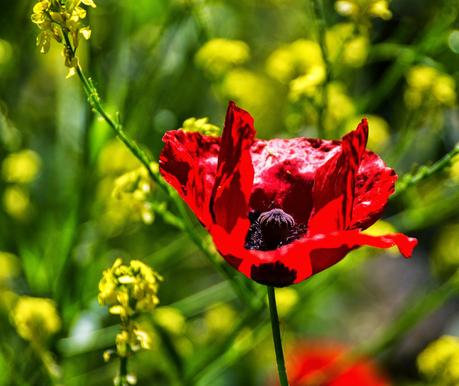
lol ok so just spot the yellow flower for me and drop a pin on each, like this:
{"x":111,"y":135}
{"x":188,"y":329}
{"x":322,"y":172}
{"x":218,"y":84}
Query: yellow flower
{"x":293,"y":60}
{"x":427,"y":85}
{"x":170,"y":319}
{"x":35,"y":318}
{"x":61,"y":21}
{"x":132,"y":339}
{"x":218,"y":56}
{"x":287,"y":298}
{"x":16,"y":203}
{"x":340,"y":105}
{"x":134,"y":190}
{"x":129,"y":289}
{"x":9,"y":266}
{"x":22,"y":167}
{"x":115,"y":159}
{"x":220,"y":318}
{"x":306,"y":85}
{"x":354,"y":53}
{"x":361,"y":10}
{"x":439,"y":361}
{"x":202,"y":126}
{"x":253,"y":91}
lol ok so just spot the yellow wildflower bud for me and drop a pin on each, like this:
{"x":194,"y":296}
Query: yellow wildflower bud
{"x":340,"y":105}
{"x":444,"y":90}
{"x":201,"y":125}
{"x":220,"y":318}
{"x":22,"y":167}
{"x":129,"y":289}
{"x":35,"y":318}
{"x":9,"y":266}
{"x":306,"y":85}
{"x":347,"y":8}
{"x":115,"y":159}
{"x":427,"y":85}
{"x":287,"y":298}
{"x":134,"y":189}
{"x":16,"y":202}
{"x":380,"y":9}
{"x":170,"y":319}
{"x":363,"y":9}
{"x":218,"y":56}
{"x":293,"y":60}
{"x":439,"y":361}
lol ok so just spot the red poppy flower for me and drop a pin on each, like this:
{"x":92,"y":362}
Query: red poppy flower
{"x":281,"y":210}
{"x":326,"y":364}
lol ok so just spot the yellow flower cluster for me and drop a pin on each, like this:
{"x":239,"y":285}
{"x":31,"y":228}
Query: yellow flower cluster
{"x":297,"y":59}
{"x":134,"y":190}
{"x":202,"y":126}
{"x":428,"y":85}
{"x":439,"y":361}
{"x":218,"y":56}
{"x":132,"y":339}
{"x":345,"y":46}
{"x":18,"y":170}
{"x":21,"y":167}
{"x":35,"y":318}
{"x":129,"y":289}
{"x":124,"y":190}
{"x":9,"y":266}
{"x":361,"y":10}
{"x":58,"y":20}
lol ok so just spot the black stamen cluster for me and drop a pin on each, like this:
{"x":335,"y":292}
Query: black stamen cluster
{"x":271,"y":229}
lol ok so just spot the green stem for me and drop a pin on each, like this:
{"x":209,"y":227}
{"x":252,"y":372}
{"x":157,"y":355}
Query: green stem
{"x":95,"y":103}
{"x":277,"y":337}
{"x":425,"y":172}
{"x":322,"y":30}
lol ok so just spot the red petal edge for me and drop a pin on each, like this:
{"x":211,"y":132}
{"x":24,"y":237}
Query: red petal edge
{"x":229,"y":202}
{"x":188,"y":163}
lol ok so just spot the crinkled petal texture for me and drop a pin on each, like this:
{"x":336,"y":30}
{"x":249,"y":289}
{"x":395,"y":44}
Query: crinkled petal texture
{"x":334,"y":189}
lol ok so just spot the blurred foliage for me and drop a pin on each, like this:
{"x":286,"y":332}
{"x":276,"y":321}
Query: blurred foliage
{"x":74,"y":199}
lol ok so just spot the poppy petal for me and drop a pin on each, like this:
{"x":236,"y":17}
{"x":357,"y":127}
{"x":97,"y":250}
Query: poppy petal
{"x":301,"y":259}
{"x":374,"y":185}
{"x":188,"y":162}
{"x":229,"y":201}
{"x":284,"y":174}
{"x":334,"y":183}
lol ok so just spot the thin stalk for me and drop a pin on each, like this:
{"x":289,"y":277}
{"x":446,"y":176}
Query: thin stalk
{"x":424,"y":172}
{"x":95,"y":103}
{"x":322,"y":30}
{"x":123,"y":371}
{"x":277,"y":337}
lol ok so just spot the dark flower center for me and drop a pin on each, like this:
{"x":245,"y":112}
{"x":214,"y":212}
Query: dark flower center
{"x":272,"y":229}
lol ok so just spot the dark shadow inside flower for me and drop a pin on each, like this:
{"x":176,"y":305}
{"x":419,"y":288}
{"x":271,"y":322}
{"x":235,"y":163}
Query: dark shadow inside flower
{"x":281,"y":210}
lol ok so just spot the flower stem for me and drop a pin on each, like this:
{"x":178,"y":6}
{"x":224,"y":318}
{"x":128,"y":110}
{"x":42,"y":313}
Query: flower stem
{"x":277,"y":337}
{"x":123,"y":371}
{"x":425,"y":172}
{"x":95,"y":103}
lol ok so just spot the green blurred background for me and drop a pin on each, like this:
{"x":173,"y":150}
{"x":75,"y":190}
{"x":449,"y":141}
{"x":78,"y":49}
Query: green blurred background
{"x":159,"y":63}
